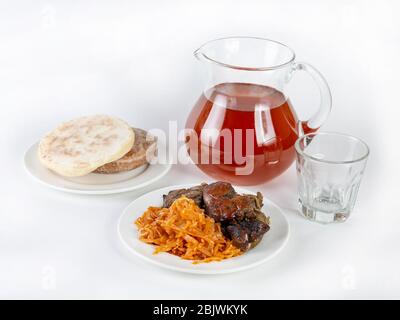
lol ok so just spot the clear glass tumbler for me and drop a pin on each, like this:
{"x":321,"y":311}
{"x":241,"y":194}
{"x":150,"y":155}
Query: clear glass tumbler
{"x":330,"y":167}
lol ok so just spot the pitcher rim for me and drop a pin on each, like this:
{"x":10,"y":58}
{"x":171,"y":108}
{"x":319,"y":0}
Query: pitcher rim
{"x":199,"y":52}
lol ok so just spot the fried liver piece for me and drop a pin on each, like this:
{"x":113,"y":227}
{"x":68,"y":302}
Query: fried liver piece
{"x":222,"y":203}
{"x":195,"y":193}
{"x":246,"y":234}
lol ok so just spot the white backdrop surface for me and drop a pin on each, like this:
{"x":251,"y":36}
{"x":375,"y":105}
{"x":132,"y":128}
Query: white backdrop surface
{"x":133,"y":59}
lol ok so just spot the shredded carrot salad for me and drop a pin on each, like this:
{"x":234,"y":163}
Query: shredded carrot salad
{"x":184,"y":230}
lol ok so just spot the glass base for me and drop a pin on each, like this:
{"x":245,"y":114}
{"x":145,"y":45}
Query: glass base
{"x":323,"y":216}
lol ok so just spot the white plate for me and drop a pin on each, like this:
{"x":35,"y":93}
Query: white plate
{"x":271,"y":244}
{"x":94,"y":183}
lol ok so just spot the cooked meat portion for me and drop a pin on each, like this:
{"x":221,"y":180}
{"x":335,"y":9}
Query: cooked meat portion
{"x":240,"y":215}
{"x":194,"y":193}
{"x":220,"y":190}
{"x":222,"y":203}
{"x":245,"y":234}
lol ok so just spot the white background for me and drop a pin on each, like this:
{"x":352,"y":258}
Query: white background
{"x":63,"y":59}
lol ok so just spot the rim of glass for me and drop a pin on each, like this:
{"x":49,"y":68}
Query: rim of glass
{"x":227,"y":65}
{"x":301,"y":152}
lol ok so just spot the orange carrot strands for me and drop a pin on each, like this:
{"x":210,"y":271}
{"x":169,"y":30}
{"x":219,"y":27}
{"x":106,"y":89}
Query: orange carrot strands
{"x":184,"y":230}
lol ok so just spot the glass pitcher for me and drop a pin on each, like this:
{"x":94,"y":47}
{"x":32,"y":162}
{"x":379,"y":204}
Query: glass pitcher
{"x":243,"y":127}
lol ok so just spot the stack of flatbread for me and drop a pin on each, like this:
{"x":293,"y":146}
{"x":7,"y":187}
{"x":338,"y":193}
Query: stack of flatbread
{"x":100,"y":144}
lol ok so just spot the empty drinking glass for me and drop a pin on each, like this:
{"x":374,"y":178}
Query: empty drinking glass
{"x":329,"y":168}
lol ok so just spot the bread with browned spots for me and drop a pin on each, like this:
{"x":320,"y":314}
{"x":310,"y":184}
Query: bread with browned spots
{"x":78,"y":147}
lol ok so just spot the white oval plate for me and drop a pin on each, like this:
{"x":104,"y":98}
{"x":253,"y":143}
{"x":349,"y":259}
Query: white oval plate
{"x":271,"y":244}
{"x":94,"y":183}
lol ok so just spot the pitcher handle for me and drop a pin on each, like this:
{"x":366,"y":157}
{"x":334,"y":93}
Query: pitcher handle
{"x":324,"y":110}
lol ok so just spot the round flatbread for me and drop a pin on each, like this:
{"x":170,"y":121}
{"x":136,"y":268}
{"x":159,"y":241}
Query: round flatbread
{"x":142,"y":152}
{"x":77,"y":147}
